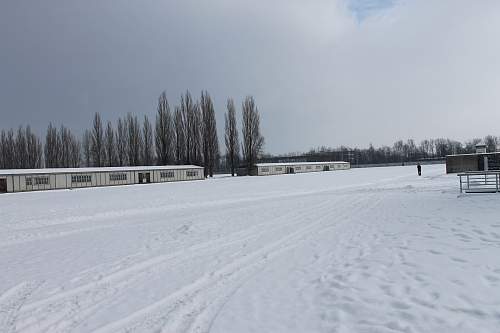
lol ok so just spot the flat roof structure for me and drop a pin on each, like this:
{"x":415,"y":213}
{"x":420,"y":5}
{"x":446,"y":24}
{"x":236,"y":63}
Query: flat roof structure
{"x":25,"y":180}
{"x":267,"y":169}
{"x":94,"y":169}
{"x":299,"y":163}
{"x":474,"y":154}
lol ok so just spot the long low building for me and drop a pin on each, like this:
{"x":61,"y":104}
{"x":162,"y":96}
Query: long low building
{"x":267,"y":169}
{"x":23,"y":180}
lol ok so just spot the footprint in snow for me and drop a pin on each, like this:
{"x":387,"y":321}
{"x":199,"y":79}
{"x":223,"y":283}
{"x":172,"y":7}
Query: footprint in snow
{"x":422,"y":303}
{"x":477,"y":231}
{"x":491,"y":278}
{"x":458,"y":259}
{"x":183,"y":229}
{"x":400,"y":305}
{"x":11,"y":302}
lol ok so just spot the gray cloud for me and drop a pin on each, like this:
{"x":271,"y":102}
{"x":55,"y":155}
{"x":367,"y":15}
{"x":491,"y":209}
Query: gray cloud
{"x":320,"y":76}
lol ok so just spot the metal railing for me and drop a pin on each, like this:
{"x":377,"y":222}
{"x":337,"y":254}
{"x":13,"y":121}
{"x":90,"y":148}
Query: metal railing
{"x":480,"y":182}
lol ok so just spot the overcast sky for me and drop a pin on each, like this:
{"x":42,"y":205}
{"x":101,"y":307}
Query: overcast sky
{"x":324,"y":72}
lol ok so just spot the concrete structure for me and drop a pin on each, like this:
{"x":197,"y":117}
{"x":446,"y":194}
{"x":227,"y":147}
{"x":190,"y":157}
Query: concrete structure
{"x":267,"y":169}
{"x":481,"y":148}
{"x":23,"y":180}
{"x":473,"y":162}
{"x":479,"y":161}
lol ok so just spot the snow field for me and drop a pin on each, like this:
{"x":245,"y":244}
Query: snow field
{"x":365,"y":250}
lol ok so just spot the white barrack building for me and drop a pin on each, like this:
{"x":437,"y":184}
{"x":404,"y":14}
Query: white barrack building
{"x":267,"y":169}
{"x":22,"y":180}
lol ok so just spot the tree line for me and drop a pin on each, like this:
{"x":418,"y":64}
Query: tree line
{"x":185,"y":135}
{"x":404,"y":151}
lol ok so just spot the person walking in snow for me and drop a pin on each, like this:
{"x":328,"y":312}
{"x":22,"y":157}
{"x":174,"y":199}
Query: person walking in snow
{"x":419,"y":169}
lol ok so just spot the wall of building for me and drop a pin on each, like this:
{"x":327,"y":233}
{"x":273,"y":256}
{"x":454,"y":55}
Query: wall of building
{"x":269,"y":170}
{"x":51,"y":181}
{"x":462,"y":163}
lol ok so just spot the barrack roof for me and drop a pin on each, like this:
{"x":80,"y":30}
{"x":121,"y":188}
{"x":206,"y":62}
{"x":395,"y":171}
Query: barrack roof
{"x":474,"y":154}
{"x":298,"y":163}
{"x":95,"y":169}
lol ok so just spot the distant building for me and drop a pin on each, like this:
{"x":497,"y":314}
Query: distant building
{"x":25,"y":180}
{"x":481,"y":160}
{"x":315,"y":156}
{"x":267,"y":169}
{"x":480,"y":148}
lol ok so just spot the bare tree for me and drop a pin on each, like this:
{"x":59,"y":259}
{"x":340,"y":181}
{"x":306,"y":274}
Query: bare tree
{"x":398,"y":149}
{"x":109,"y":145}
{"x":231,"y":136}
{"x":3,"y":162}
{"x":97,"y":142}
{"x":2,"y":150}
{"x":164,"y":135}
{"x":210,"y":141}
{"x":441,"y":145}
{"x":134,"y":140}
{"x":86,"y":147}
{"x":470,"y":145}
{"x":253,"y":141}
{"x":491,"y":143}
{"x":74,"y":153}
{"x":195,"y":130}
{"x":64,"y":147}
{"x":52,"y":148}
{"x":147,"y":146}
{"x":65,"y":140}
{"x":20,"y":152}
{"x":180,"y":136}
{"x":205,"y":105}
{"x":411,"y":149}
{"x":7,"y":149}
{"x":69,"y":151}
{"x":24,"y":149}
{"x":192,"y":123}
{"x":10,"y":147}
{"x":121,"y":142}
{"x":426,"y":146}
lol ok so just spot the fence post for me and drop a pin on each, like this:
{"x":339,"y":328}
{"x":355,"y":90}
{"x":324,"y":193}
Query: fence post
{"x":460,"y":176}
{"x":468,"y":186}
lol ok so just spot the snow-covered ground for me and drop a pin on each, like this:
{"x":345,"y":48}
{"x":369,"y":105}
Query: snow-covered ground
{"x":364,"y":250}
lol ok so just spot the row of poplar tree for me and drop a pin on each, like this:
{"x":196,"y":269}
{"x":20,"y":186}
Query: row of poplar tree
{"x":186,"y":135}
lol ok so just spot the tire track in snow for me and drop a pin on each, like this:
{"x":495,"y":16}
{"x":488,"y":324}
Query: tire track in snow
{"x":45,"y":229}
{"x":12,"y":301}
{"x":71,"y":307}
{"x":196,"y":318}
{"x":193,"y":307}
